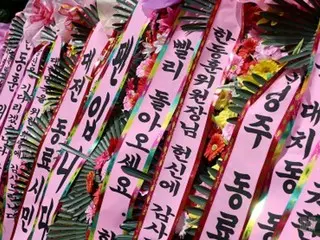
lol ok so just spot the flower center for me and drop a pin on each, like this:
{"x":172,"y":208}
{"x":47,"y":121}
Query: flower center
{"x":214,"y":147}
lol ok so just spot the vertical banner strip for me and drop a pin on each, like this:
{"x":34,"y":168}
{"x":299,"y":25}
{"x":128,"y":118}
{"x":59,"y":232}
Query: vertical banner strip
{"x":70,"y":105}
{"x":289,"y":166}
{"x":234,"y":190}
{"x":147,"y":123}
{"x":301,"y":217}
{"x":193,"y":115}
{"x":6,"y":63}
{"x":102,"y":98}
{"x":15,"y":158}
{"x":18,"y":110}
{"x":18,"y":107}
{"x":14,"y":78}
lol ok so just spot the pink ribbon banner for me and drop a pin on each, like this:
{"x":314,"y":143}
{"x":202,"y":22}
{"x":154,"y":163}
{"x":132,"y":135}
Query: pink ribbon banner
{"x":304,"y":219}
{"x":303,"y":138}
{"x":232,"y":199}
{"x":65,"y":116}
{"x":14,"y":78}
{"x":147,"y":123}
{"x":18,"y":107}
{"x":15,"y":161}
{"x":181,"y":157}
{"x":98,"y":108}
{"x":6,"y":61}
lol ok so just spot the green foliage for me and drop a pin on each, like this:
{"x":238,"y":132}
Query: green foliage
{"x":292,"y":27}
{"x":124,"y":10}
{"x":197,"y":14}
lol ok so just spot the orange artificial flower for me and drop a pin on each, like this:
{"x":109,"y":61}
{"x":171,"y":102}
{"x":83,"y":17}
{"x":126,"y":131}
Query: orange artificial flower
{"x":96,"y":196}
{"x":215,"y":146}
{"x":90,"y":182}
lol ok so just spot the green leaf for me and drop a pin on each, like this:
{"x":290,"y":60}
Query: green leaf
{"x":198,"y":200}
{"x":207,"y":180}
{"x":251,"y":86}
{"x":124,"y":237}
{"x":195,"y":211}
{"x":244,"y":93}
{"x":213,"y":172}
{"x":191,"y":231}
{"x":136,"y":173}
{"x":297,"y":49}
{"x":129,"y":225}
{"x":203,"y":190}
{"x":235,"y":108}
{"x":239,"y":101}
{"x":232,"y":120}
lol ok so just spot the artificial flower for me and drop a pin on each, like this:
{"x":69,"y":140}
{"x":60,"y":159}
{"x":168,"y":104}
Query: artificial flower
{"x":215,"y":146}
{"x":96,"y":196}
{"x":130,"y":100}
{"x":246,"y":66}
{"x":148,"y":48}
{"x":267,"y":52}
{"x":248,"y":78}
{"x":130,"y":85}
{"x":247,"y":47}
{"x":167,"y":22}
{"x":100,"y":161}
{"x":161,"y":39}
{"x":141,"y":85}
{"x":149,"y":6}
{"x":252,"y":15}
{"x":265,"y":68}
{"x":112,"y":145}
{"x":145,"y":67}
{"x":224,"y":115}
{"x":42,"y":12}
{"x":90,"y":181}
{"x":227,"y":131}
{"x":90,"y":212}
{"x":236,"y":66}
{"x":263,"y":4}
{"x":223,"y":99}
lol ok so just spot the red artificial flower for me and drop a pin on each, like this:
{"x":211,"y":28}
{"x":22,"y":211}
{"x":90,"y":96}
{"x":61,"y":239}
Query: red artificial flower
{"x":247,"y":47}
{"x":112,"y":145}
{"x":251,"y":16}
{"x":246,"y":66}
{"x":141,"y":85}
{"x":90,"y":182}
{"x":101,"y":160}
{"x":130,"y":85}
{"x":215,"y":146}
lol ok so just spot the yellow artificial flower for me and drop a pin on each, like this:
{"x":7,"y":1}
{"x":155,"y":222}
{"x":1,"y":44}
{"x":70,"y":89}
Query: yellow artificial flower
{"x":223,"y":99}
{"x":221,"y":119}
{"x":247,"y":77}
{"x":265,"y":68}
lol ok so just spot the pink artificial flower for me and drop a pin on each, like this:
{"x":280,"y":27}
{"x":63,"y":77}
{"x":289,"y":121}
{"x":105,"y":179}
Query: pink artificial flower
{"x":149,"y":6}
{"x":42,"y":11}
{"x":90,"y":212}
{"x":236,"y":66}
{"x":227,"y":131}
{"x":148,"y":49}
{"x":263,"y":4}
{"x":130,"y":100}
{"x":101,"y":160}
{"x":267,"y":52}
{"x":145,"y":67}
{"x":161,"y":39}
{"x":168,"y":21}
